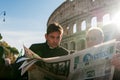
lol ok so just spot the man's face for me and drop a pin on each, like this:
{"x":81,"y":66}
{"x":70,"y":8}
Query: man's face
{"x":53,"y":39}
{"x":93,"y":38}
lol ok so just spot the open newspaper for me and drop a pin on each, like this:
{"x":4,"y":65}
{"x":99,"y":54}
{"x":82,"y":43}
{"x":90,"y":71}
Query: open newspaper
{"x":91,"y":63}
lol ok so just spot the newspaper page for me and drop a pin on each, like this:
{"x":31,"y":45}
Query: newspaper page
{"x":57,"y":69}
{"x":89,"y":64}
{"x":94,"y":63}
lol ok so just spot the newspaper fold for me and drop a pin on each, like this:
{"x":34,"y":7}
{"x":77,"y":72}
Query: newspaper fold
{"x":91,"y":63}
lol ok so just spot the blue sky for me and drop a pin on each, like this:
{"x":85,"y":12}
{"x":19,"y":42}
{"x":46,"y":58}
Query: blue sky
{"x":25,"y":20}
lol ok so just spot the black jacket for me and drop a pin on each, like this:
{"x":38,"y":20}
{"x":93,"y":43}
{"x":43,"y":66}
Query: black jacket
{"x":44,"y":51}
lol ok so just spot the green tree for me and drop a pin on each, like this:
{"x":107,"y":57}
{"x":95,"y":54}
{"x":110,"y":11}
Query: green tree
{"x":10,"y":52}
{"x":0,"y":36}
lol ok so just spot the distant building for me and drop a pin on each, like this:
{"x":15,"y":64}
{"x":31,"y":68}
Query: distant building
{"x":77,"y":16}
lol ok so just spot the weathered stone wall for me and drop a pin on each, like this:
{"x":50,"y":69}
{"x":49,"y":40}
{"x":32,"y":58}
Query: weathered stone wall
{"x":76,"y":16}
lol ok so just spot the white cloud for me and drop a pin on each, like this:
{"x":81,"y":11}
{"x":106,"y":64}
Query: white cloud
{"x":17,"y":39}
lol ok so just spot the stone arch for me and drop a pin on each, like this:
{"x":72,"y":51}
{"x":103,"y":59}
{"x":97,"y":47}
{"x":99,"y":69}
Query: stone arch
{"x":72,"y":45}
{"x":81,"y":44}
{"x":106,"y":19}
{"x":66,"y":45}
{"x":74,"y":28}
{"x":66,"y":30}
{"x":94,"y":22}
{"x":83,"y":25}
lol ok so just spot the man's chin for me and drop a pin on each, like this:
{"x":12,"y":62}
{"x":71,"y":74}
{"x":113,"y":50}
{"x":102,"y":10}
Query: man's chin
{"x":54,"y":46}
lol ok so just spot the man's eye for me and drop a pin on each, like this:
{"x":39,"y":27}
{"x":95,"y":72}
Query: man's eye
{"x":58,"y":37}
{"x":51,"y":36}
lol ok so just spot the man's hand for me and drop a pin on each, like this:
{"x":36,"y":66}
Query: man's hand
{"x":116,"y":61}
{"x":32,"y":67}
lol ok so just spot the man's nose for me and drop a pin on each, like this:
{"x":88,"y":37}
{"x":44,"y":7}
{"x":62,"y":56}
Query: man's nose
{"x":55,"y":40}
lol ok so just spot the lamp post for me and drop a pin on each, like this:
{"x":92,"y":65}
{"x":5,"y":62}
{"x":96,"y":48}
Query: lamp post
{"x":3,"y":13}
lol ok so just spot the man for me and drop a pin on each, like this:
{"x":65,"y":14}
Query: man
{"x":95,"y":36}
{"x":51,"y":48}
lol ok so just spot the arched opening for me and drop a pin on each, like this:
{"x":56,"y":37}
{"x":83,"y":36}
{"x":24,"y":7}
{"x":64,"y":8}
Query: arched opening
{"x":106,"y":19}
{"x":72,"y":46}
{"x":94,"y":22}
{"x":74,"y":28}
{"x":66,"y":45}
{"x":83,"y":25}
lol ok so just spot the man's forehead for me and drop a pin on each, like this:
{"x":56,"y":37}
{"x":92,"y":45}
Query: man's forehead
{"x":54,"y":34}
{"x":94,"y":35}
{"x":94,"y":32}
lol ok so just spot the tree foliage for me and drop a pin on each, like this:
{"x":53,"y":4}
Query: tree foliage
{"x":0,"y":36}
{"x":10,"y":52}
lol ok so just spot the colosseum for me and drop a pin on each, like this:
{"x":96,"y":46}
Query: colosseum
{"x":77,"y":16}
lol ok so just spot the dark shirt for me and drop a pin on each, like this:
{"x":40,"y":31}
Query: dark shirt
{"x":17,"y":71}
{"x":44,"y":51}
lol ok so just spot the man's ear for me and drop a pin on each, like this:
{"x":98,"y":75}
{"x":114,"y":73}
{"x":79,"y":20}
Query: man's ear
{"x":46,"y":36}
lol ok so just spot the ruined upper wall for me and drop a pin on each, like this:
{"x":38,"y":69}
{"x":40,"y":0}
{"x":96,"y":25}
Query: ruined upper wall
{"x":73,"y":8}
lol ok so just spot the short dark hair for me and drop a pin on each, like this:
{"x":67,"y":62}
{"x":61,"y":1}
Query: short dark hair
{"x":54,"y":27}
